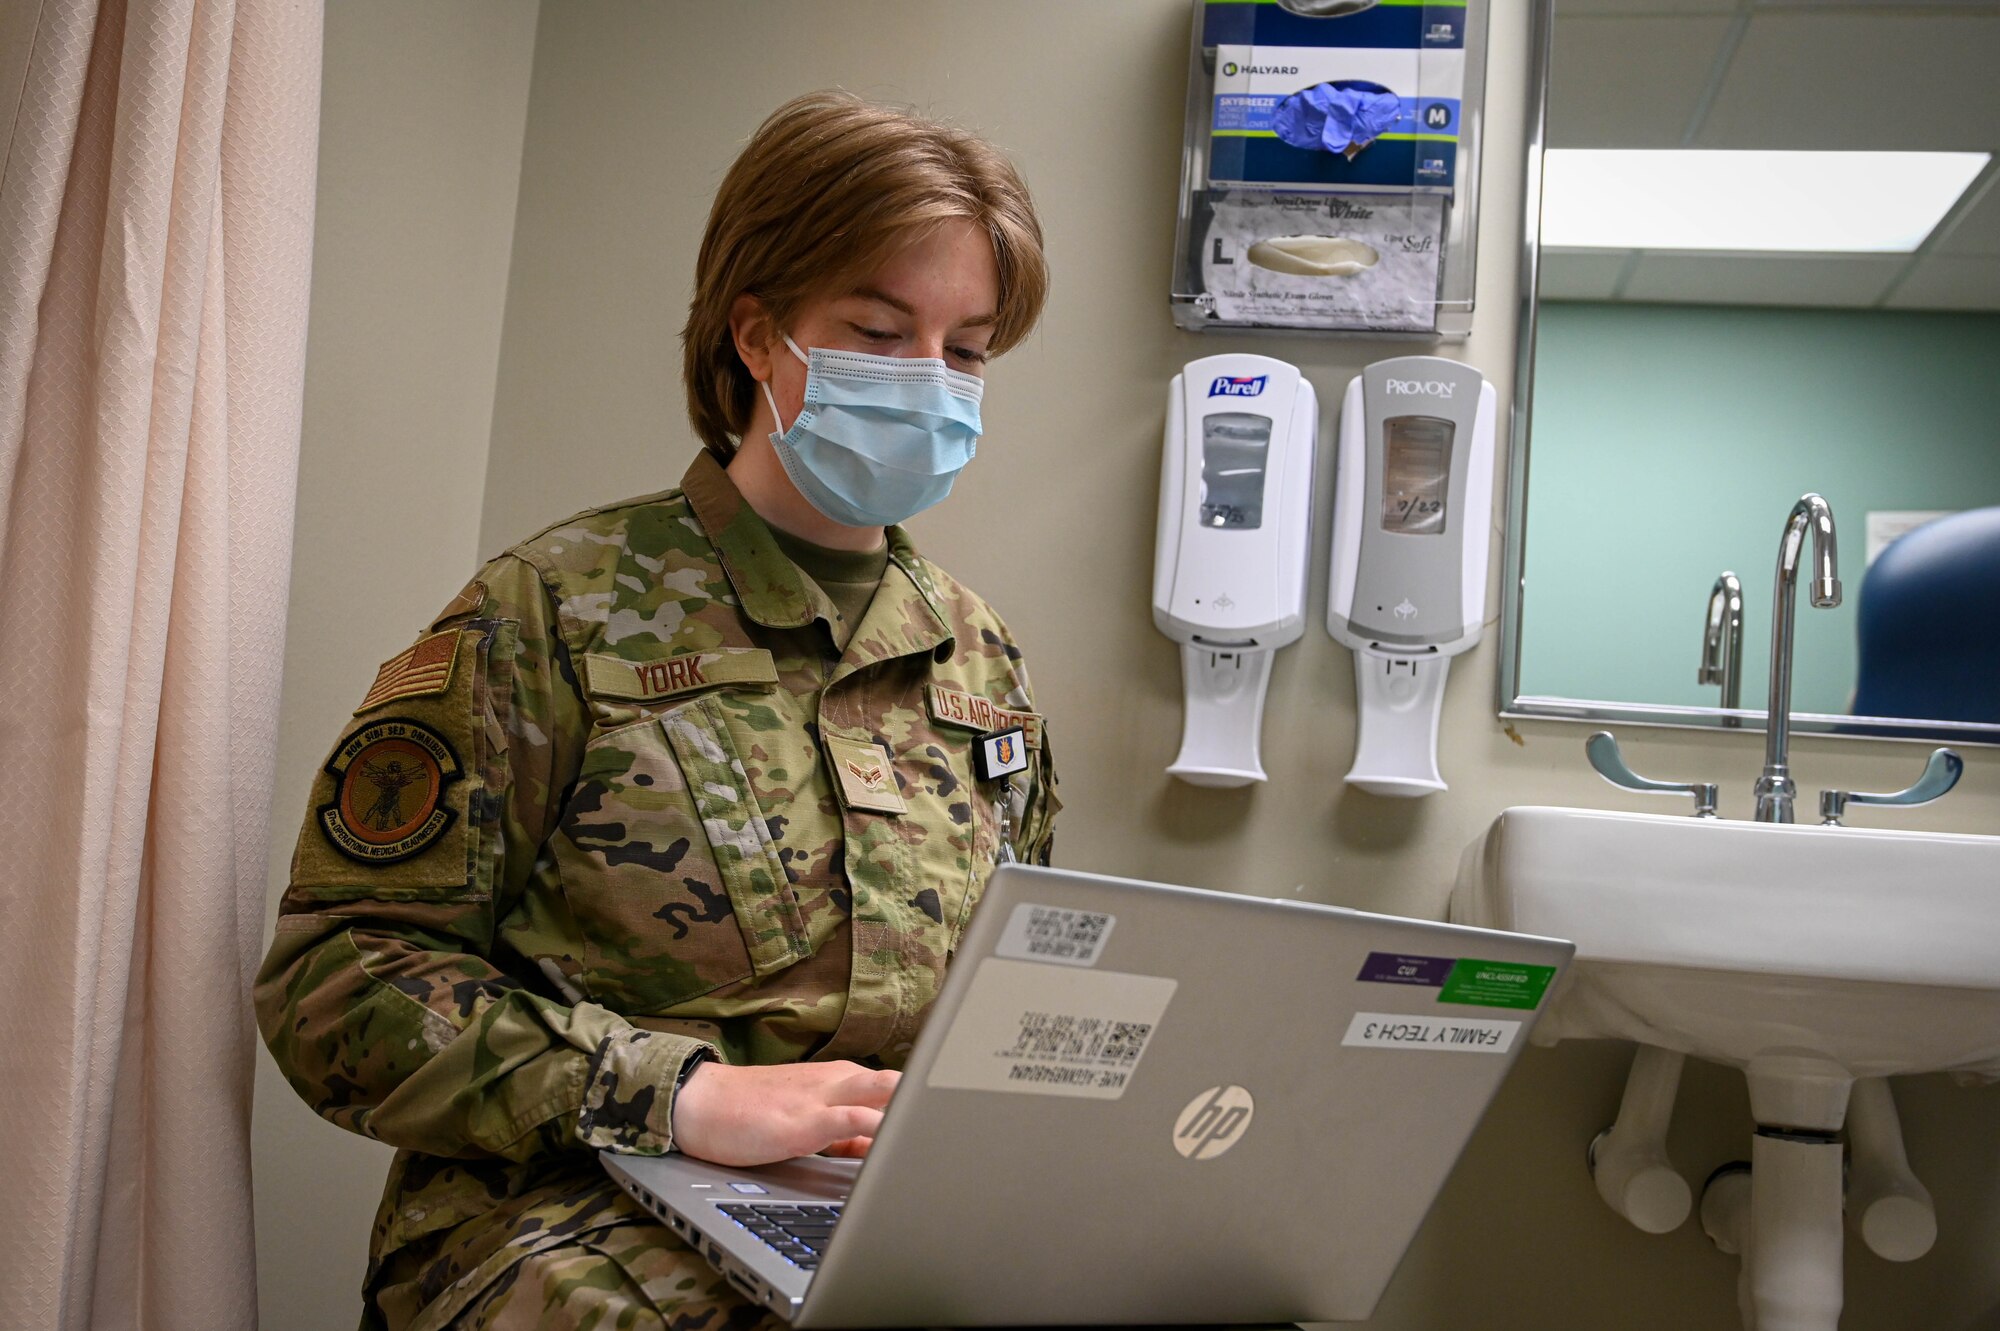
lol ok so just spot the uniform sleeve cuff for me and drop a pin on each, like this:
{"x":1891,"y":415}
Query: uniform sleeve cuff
{"x":628,"y":1094}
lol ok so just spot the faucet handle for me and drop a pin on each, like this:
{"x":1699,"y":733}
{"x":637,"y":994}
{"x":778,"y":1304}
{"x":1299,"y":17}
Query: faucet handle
{"x":1941,"y":773}
{"x":1602,"y":749}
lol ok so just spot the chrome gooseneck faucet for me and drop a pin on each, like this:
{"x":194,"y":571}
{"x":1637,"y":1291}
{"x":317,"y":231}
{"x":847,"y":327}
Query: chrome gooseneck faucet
{"x":1722,"y":643}
{"x":1775,"y":790}
{"x":1720,"y":658}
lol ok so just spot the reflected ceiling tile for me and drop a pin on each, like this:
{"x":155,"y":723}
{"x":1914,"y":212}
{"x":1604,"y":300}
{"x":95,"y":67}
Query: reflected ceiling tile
{"x":1726,"y":279}
{"x":1628,"y":82}
{"x":1581,"y":275}
{"x":1947,"y":282}
{"x":1978,"y":232}
{"x":1916,"y":81}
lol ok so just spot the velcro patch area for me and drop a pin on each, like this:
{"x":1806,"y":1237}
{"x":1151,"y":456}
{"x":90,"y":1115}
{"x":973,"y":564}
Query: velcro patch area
{"x":866,"y":776}
{"x":969,"y":711}
{"x":668,"y":676}
{"x":389,"y":788}
{"x":467,"y":602}
{"x":422,"y":669}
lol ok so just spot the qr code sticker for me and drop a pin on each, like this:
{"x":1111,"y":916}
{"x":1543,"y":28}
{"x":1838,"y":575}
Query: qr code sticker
{"x":1055,"y":1047}
{"x":1080,"y":1039}
{"x":1055,"y":933}
{"x":1030,"y":1028}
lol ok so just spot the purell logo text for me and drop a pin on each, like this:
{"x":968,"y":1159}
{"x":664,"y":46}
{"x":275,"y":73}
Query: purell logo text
{"x":1419,"y":387}
{"x":1237,"y":385}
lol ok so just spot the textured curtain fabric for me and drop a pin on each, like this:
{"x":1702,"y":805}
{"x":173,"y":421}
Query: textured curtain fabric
{"x":156,"y":200}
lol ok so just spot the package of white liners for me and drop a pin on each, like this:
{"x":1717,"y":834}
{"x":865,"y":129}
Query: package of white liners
{"x":1315,"y":260}
{"x":1330,"y":172}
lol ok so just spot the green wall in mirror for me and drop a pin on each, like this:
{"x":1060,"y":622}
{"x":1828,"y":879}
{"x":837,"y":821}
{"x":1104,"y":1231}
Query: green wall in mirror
{"x":1669,"y":443}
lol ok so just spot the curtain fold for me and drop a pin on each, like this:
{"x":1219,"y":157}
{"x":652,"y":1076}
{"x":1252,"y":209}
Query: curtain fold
{"x":156,"y":201}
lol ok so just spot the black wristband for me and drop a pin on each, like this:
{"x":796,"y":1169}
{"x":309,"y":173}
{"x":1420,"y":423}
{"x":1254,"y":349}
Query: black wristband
{"x":695,"y":1060}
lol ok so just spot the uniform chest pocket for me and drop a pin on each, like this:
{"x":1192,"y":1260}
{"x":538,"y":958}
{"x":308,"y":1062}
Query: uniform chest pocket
{"x":669,"y":865}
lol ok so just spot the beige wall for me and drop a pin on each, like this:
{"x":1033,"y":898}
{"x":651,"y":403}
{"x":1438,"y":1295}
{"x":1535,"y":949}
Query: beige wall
{"x":636,"y":110}
{"x":420,"y":156}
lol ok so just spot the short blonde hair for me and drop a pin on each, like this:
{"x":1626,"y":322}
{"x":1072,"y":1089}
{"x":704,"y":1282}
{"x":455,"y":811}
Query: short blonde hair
{"x":827,"y":190}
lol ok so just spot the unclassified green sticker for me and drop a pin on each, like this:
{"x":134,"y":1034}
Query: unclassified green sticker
{"x":1496,"y":983}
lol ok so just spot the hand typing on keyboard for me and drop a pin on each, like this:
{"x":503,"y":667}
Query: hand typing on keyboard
{"x":759,"y":1115}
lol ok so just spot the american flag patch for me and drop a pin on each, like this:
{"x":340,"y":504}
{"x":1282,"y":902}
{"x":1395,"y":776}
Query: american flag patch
{"x":424,"y":668}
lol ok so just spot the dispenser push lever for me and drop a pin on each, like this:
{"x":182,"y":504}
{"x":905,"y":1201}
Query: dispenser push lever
{"x":1941,"y":773}
{"x":1602,"y":749}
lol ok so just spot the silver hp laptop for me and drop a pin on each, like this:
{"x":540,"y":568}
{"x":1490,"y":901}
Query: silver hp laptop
{"x":1136,"y":1103}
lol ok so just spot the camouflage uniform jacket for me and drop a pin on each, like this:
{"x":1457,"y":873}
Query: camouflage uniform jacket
{"x":637,"y":793}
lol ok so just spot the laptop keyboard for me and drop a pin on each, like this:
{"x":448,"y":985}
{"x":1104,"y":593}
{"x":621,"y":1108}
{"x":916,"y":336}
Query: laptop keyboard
{"x":798,"y":1233}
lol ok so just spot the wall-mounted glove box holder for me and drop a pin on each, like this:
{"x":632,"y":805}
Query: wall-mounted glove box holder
{"x":1329,"y":178}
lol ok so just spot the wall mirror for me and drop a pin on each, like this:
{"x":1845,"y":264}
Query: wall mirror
{"x":1762,"y":257}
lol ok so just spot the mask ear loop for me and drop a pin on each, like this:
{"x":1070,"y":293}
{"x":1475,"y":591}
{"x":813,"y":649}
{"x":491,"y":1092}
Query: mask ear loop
{"x":776,"y":419}
{"x":765,"y":384}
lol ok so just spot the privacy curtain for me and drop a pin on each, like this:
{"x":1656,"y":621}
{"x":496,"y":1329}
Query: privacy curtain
{"x":156,"y":195}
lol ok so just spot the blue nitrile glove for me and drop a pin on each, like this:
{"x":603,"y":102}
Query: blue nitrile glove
{"x":1342,"y":117}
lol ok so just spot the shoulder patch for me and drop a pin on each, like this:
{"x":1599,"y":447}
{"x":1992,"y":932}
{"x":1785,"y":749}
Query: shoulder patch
{"x":389,"y":780}
{"x":969,"y":711}
{"x":418,"y":671}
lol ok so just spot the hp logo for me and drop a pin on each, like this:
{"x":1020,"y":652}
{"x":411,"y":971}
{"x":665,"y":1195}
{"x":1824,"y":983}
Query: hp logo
{"x":1213,"y":1122}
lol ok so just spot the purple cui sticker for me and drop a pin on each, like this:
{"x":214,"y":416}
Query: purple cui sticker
{"x":1395,"y":968}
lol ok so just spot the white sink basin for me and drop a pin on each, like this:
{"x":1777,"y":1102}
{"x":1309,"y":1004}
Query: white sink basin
{"x":1800,"y":952}
{"x":1817,"y":959}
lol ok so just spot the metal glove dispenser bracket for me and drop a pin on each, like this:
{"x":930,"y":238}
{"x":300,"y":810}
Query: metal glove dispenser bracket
{"x":1329,"y":177}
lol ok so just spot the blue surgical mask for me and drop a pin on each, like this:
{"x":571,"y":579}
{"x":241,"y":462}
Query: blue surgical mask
{"x":879,"y":439}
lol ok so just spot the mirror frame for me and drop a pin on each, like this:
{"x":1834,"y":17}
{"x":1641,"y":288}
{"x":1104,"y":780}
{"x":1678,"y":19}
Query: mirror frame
{"x":1512,"y":702}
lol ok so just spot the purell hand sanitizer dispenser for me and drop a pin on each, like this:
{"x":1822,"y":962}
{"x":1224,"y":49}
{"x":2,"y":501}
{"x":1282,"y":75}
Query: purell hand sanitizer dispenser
{"x":1412,"y":516}
{"x":1229,"y":572}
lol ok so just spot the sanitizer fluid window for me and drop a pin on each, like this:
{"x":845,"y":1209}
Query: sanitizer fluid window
{"x":1235,"y":446}
{"x":1416,"y":467}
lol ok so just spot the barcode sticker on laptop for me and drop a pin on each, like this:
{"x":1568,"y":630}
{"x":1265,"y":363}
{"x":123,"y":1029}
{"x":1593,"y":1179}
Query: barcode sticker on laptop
{"x":1400,"y":1030}
{"x":1045,"y":1030}
{"x":1055,"y":933}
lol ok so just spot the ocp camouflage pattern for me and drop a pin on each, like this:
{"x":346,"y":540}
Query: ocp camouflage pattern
{"x":647,"y":855}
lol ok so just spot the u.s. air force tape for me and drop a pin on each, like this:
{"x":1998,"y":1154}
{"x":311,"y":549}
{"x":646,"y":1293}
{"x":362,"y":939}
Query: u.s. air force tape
{"x":969,"y":711}
{"x":1002,"y":753}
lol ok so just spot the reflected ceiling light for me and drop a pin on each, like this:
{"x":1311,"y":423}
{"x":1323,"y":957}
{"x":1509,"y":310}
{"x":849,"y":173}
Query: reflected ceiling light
{"x":1699,"y":199}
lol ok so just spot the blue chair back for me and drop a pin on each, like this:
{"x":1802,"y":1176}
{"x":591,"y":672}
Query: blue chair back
{"x":1929,"y":623}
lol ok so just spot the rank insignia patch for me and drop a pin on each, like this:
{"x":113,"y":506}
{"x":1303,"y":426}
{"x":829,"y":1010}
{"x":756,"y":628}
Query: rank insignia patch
{"x":867,"y":777}
{"x":388,"y":793}
{"x":422,"y":669}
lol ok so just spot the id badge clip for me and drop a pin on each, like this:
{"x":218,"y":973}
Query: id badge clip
{"x":1000,"y":753}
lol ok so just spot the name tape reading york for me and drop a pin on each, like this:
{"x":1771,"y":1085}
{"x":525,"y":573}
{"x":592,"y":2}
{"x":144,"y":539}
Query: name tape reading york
{"x":669,"y":676}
